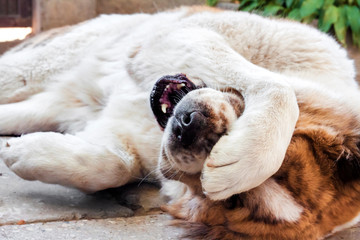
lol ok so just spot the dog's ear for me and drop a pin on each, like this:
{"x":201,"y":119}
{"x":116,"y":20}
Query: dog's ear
{"x":348,"y":162}
{"x":336,"y":151}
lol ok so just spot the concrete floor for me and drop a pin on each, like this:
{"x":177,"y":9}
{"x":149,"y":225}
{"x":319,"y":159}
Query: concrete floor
{"x":35,"y":210}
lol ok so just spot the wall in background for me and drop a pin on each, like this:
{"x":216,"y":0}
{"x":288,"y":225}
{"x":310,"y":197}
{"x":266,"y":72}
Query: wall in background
{"x":147,"y":6}
{"x":49,"y":14}
{"x":56,"y":13}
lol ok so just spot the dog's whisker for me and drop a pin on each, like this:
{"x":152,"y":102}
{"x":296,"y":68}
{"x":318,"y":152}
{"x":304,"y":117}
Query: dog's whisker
{"x":182,"y":174}
{"x":174,"y":174}
{"x":147,"y":175}
{"x":169,"y":169}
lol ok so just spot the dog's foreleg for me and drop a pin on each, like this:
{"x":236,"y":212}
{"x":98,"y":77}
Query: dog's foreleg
{"x":46,"y":111}
{"x":255,"y":146}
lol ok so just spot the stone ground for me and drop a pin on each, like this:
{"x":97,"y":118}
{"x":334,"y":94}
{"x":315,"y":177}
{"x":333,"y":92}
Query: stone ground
{"x":37,"y":211}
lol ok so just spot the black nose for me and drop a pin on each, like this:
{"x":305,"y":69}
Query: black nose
{"x":187,"y":126}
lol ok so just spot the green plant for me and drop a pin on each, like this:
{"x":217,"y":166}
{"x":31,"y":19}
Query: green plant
{"x":339,"y":16}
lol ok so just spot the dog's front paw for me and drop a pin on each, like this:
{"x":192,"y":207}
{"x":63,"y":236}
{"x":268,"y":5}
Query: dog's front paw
{"x":29,"y":156}
{"x":17,"y":154}
{"x":221,"y":182}
{"x":237,"y":166}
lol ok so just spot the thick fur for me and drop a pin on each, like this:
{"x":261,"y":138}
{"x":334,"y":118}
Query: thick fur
{"x":79,"y":98}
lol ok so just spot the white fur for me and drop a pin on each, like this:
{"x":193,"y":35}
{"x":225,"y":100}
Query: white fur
{"x":173,"y":190}
{"x":93,"y":81}
{"x":278,"y":202}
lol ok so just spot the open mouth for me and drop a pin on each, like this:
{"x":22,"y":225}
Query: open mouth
{"x":166,"y":93}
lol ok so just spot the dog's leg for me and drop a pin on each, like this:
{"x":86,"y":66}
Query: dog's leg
{"x":255,"y":147}
{"x":28,"y":68}
{"x":66,"y":107}
{"x":43,"y":112}
{"x":31,"y":66}
{"x":256,"y":144}
{"x":67,"y":160}
{"x":36,"y":114}
{"x":92,"y":159}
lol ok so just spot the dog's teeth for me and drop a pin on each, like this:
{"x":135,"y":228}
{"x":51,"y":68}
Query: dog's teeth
{"x":179,"y":86}
{"x":164,"y":107}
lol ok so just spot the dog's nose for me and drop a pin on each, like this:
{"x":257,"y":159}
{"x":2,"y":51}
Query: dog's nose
{"x":187,"y":126}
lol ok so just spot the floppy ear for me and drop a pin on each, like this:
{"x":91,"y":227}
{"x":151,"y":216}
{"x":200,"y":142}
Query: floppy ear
{"x":339,"y":147}
{"x":348,"y":162}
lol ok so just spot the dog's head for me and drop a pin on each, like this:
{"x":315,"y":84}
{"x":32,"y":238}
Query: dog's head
{"x":320,"y":171}
{"x":193,"y":118}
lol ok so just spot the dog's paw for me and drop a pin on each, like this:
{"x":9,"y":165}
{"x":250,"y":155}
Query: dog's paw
{"x":221,"y":182}
{"x":236,"y":166}
{"x":26,"y":156}
{"x":17,"y":158}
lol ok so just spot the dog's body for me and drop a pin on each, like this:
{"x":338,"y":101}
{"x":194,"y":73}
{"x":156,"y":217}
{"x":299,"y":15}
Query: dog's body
{"x":81,"y":96}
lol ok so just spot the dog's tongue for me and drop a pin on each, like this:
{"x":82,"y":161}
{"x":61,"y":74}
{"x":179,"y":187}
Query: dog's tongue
{"x":166,"y":93}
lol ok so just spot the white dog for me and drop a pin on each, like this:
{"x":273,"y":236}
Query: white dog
{"x":228,"y":96}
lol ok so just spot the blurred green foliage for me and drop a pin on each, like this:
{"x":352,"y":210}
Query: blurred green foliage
{"x":339,"y":16}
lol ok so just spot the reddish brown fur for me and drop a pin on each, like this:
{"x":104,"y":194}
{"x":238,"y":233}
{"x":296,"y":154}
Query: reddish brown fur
{"x":320,"y":171}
